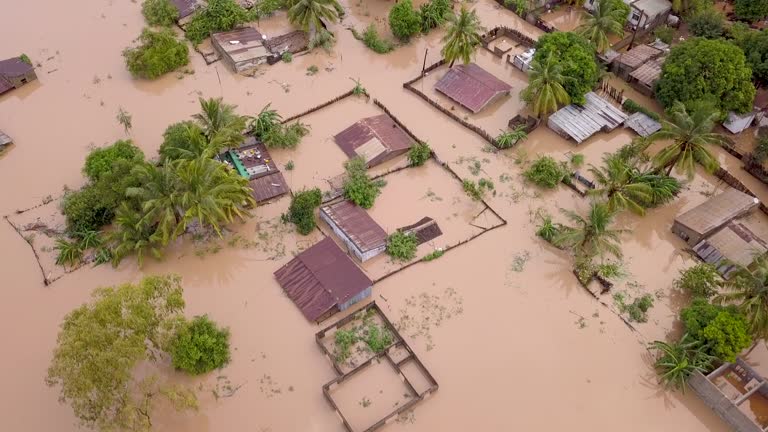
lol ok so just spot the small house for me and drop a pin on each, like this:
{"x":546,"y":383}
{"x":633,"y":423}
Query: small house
{"x":737,"y":123}
{"x":323,"y":280}
{"x":361,"y":234}
{"x":581,"y":122}
{"x":734,"y":245}
{"x":472,"y":87}
{"x":644,"y":77}
{"x":642,"y":124}
{"x":252,"y":161}
{"x":424,"y":230}
{"x":627,"y":62}
{"x":241,"y":49}
{"x":15,"y":72}
{"x":703,"y":220}
{"x":376,"y":139}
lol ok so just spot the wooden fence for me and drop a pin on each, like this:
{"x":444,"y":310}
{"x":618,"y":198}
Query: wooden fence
{"x":322,"y":105}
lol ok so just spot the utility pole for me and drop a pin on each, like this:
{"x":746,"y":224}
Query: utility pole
{"x":424,"y":65}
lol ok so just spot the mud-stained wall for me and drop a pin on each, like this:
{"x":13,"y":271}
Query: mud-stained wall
{"x":718,"y":402}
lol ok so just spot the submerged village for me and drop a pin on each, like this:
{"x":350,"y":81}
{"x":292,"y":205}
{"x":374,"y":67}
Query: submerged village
{"x":332,"y":215}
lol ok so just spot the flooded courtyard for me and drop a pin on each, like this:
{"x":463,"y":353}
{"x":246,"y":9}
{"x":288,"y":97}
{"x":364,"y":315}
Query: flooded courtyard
{"x":500,"y":322}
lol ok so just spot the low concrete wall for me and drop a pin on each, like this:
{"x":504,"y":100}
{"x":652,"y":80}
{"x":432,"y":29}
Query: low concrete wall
{"x":721,"y":405}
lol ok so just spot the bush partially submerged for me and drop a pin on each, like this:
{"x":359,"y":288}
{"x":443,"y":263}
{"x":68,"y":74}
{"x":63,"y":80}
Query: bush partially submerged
{"x":434,"y":14}
{"x":159,"y":12}
{"x":358,"y":187}
{"x":372,"y":40}
{"x":701,"y":280}
{"x":404,"y":20}
{"x":632,"y":107}
{"x":419,"y":154}
{"x":476,"y":191}
{"x":159,"y":52}
{"x":100,"y":160}
{"x":302,"y":210}
{"x":218,"y":16}
{"x":285,"y":136}
{"x":402,"y":246}
{"x":546,"y":172}
{"x":200,"y":346}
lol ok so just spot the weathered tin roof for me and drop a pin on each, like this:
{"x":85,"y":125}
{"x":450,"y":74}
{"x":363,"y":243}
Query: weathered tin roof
{"x":716,"y":211}
{"x":377,"y":139}
{"x":642,"y":124}
{"x":425,"y":230}
{"x":734,"y":245}
{"x":581,"y":122}
{"x":267,"y":187}
{"x":471,"y":86}
{"x":357,"y":224}
{"x":241,"y":45}
{"x":320,"y":278}
{"x":638,"y":56}
{"x":649,"y":72}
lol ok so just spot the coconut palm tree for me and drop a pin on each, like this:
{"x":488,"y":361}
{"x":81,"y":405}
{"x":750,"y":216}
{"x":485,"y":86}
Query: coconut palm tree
{"x":265,"y":121}
{"x":221,"y":125}
{"x":677,"y":361}
{"x":747,"y":288}
{"x":157,"y":198}
{"x":308,"y":14}
{"x":545,"y":91}
{"x":591,"y":236}
{"x":462,"y":36}
{"x":184,"y":140}
{"x":691,"y":134}
{"x":132,"y":235}
{"x":608,"y":17}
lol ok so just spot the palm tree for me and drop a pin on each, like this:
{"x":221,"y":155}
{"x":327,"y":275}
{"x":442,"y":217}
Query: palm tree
{"x":157,"y":196}
{"x":507,"y":139}
{"x":608,"y":16}
{"x":221,"y":125}
{"x":691,"y":133}
{"x":308,"y":14}
{"x":591,"y":236}
{"x":545,"y":91}
{"x":184,"y":140}
{"x":748,"y":290}
{"x":265,"y":121}
{"x":677,"y":361}
{"x":462,"y":36}
{"x":132,"y":235}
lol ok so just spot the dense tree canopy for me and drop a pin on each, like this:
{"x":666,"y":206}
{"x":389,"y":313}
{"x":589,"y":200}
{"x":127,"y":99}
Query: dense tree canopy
{"x":159,"y":12}
{"x":751,"y":10}
{"x":404,"y":20}
{"x":699,"y":69}
{"x":721,"y":331}
{"x":216,"y":16}
{"x":200,"y":346}
{"x":159,"y":52}
{"x":755,"y":47}
{"x":576,"y":57}
{"x":708,"y":23}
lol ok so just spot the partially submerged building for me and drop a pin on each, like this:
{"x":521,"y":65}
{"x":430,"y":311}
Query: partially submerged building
{"x":323,"y":280}
{"x":252,"y":161}
{"x":733,"y":246}
{"x":737,"y":123}
{"x":376,"y":139}
{"x":642,"y":124}
{"x":644,"y":77}
{"x":581,"y":122}
{"x":14,"y":73}
{"x":245,"y":48}
{"x":5,"y":140}
{"x":626,"y":63}
{"x":703,"y":220}
{"x":361,"y":234}
{"x":425,"y":230}
{"x":472,"y":86}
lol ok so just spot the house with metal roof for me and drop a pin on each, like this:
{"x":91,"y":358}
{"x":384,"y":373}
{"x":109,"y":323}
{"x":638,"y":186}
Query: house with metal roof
{"x":252,"y":161}
{"x":642,"y":124}
{"x":323,"y":280}
{"x":15,"y":72}
{"x":581,"y":122}
{"x":361,"y":234}
{"x":472,"y":86}
{"x":376,"y":139}
{"x":705,"y":219}
{"x":424,"y":230}
{"x":635,"y":57}
{"x":644,"y":77}
{"x":241,"y":49}
{"x":732,"y":246}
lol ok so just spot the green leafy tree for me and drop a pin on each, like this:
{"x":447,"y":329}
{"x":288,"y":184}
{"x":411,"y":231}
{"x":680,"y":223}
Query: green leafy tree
{"x":402,"y":246}
{"x":608,"y":17}
{"x":100,"y":345}
{"x":100,"y":161}
{"x":419,"y":154}
{"x":708,"y":23}
{"x":158,"y":53}
{"x":462,"y":36}
{"x":302,"y":210}
{"x":159,"y":12}
{"x":87,"y":209}
{"x":591,"y":236}
{"x":358,"y":186}
{"x":309,"y":14}
{"x":217,"y":16}
{"x":576,"y":58}
{"x":183,"y":140}
{"x":755,"y":47}
{"x":699,"y":67}
{"x":404,"y":20}
{"x":675,"y":362}
{"x":751,"y":10}
{"x":747,"y":288}
{"x":545,"y":172}
{"x":546,"y":86}
{"x":199,"y":346}
{"x":701,"y":280}
{"x":691,"y":134}
{"x":722,"y":332}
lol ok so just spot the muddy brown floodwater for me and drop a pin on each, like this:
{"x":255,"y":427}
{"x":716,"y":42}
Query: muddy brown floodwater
{"x":501,"y":323}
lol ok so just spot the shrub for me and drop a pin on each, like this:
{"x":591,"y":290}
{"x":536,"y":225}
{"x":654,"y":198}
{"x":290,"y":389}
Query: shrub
{"x":159,"y":52}
{"x":707,"y":24}
{"x":69,"y":252}
{"x":265,"y":8}
{"x":378,"y":339}
{"x":419,"y":154}
{"x":545,"y":172}
{"x":344,"y":339}
{"x":200,"y":346}
{"x":677,"y":361}
{"x":476,"y":191}
{"x":576,"y":56}
{"x":437,"y":253}
{"x":159,"y":12}
{"x":638,"y":309}
{"x":100,"y":160}
{"x":751,"y":10}
{"x":285,"y":136}
{"x":547,"y":230}
{"x":726,"y":336}
{"x":25,"y":58}
{"x":631,"y":106}
{"x":372,"y":40}
{"x":700,"y":280}
{"x":402,"y":246}
{"x":87,"y":209}
{"x":434,"y":14}
{"x":577,"y":160}
{"x":218,"y":16}
{"x":404,"y":21}
{"x":183,"y":140}
{"x":761,"y":148}
{"x":664,"y":33}
{"x":358,"y":187}
{"x":323,"y":39}
{"x":302,"y":210}
{"x":287,"y":57}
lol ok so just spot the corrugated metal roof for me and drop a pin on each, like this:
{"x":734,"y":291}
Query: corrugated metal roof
{"x":471,"y":86}
{"x":716,"y":211}
{"x":394,"y":140}
{"x":652,"y":8}
{"x":425,"y":230}
{"x":357,"y":224}
{"x":5,"y":85}
{"x":267,"y":187}
{"x":14,"y":67}
{"x":241,"y":45}
{"x":294,"y":42}
{"x":736,"y":123}
{"x":649,"y":72}
{"x":642,"y":124}
{"x":581,"y":122}
{"x":733,"y":244}
{"x":638,"y":55}
{"x":321,"y":278}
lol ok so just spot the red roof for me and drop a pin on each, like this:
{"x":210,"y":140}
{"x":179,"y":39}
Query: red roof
{"x":471,"y":86}
{"x":394,"y":139}
{"x":320,"y":278}
{"x":357,"y":224}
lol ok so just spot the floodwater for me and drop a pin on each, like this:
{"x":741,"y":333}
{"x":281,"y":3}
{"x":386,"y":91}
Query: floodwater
{"x":501,"y":322}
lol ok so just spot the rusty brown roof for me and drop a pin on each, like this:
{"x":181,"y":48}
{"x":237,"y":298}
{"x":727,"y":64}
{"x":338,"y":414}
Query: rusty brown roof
{"x":267,"y":187}
{"x":394,"y":140}
{"x":293,"y":42}
{"x":320,"y":278}
{"x":639,"y":55}
{"x":357,"y":224}
{"x":471,"y":86}
{"x":425,"y":230}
